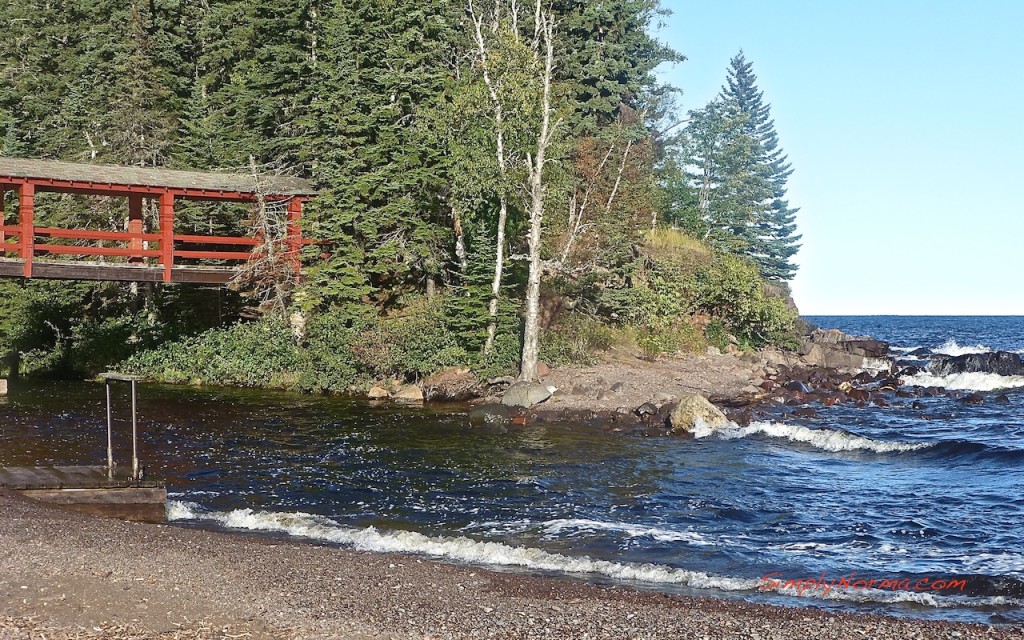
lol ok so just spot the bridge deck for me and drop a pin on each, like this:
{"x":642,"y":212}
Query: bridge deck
{"x":14,"y":268}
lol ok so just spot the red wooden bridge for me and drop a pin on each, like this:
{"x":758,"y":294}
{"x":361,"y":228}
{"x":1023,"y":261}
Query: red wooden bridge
{"x":27,"y":250}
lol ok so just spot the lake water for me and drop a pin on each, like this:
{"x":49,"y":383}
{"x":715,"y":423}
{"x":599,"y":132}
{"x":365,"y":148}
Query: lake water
{"x":916,"y":500}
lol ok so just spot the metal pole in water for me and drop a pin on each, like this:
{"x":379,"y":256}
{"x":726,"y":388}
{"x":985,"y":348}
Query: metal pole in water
{"x":110,"y":437}
{"x":135,"y":435}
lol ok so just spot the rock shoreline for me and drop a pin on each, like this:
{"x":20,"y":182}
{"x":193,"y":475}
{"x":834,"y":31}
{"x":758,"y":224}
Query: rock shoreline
{"x":633,"y":396}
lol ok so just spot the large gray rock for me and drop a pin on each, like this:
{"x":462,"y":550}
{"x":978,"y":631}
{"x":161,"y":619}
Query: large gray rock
{"x":999,"y":362}
{"x":525,"y":394}
{"x":694,"y":410}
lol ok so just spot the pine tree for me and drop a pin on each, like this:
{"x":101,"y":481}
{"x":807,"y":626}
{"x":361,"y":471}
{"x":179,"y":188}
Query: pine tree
{"x":774,"y":238}
{"x":380,"y":65}
{"x":729,"y":186}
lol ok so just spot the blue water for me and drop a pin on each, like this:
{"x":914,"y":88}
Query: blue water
{"x":895,"y":493}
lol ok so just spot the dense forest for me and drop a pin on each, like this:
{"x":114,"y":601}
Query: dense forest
{"x":501,"y":182}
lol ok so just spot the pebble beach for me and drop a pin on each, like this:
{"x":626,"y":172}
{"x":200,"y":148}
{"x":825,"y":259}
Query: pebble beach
{"x":68,"y":575}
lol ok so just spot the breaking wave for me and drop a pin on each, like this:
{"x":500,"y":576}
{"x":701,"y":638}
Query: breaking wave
{"x":951,"y":348}
{"x":825,"y":439}
{"x":974,"y":381}
{"x":465,"y":550}
{"x":459,"y":549}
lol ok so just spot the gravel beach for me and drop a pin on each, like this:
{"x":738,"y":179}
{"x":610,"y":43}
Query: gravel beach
{"x":72,"y":576}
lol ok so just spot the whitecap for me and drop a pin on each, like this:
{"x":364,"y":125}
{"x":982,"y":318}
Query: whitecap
{"x":824,"y":439}
{"x":951,"y":348}
{"x":459,"y":549}
{"x":563,"y":525}
{"x":973,"y":381}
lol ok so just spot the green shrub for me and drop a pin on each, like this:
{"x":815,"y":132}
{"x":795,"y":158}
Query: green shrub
{"x":732,"y":291}
{"x":251,"y":354}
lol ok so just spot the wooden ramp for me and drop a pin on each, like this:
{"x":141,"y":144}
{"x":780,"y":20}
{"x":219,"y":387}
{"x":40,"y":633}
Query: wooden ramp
{"x":89,"y":489}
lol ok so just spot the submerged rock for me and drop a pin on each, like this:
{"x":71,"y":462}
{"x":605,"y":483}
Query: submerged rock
{"x":490,"y":415}
{"x":525,"y":394}
{"x":694,"y":410}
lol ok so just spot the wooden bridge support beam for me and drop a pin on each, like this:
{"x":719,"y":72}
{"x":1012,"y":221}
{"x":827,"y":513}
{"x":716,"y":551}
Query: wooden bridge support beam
{"x":3,"y":221}
{"x":167,"y":233}
{"x":295,"y":234}
{"x":26,"y":215}
{"x":135,"y":225}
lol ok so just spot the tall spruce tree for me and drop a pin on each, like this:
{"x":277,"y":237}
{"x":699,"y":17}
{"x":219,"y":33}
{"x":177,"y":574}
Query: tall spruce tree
{"x":774,"y":240}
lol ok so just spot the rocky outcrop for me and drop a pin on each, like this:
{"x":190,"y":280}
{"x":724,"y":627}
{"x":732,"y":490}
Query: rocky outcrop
{"x":999,"y":362}
{"x":525,"y":394}
{"x":378,"y":393}
{"x":695,"y":410}
{"x":833,"y":349}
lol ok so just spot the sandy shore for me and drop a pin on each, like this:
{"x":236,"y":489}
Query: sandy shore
{"x":67,"y":575}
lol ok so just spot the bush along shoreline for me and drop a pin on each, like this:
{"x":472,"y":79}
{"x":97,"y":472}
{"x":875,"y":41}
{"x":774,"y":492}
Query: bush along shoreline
{"x":680,"y":299}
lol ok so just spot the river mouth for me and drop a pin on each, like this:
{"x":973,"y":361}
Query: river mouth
{"x":755,"y":513}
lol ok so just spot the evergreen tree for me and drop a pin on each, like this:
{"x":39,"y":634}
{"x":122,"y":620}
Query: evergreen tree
{"x":381,"y":64}
{"x":729,"y":187}
{"x":774,"y":237}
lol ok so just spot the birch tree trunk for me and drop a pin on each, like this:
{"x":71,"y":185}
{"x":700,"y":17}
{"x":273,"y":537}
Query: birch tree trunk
{"x":502,"y":160}
{"x":531,"y":330}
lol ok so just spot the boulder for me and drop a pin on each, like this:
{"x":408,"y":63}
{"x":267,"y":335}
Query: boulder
{"x":3,"y":387}
{"x":833,"y":349}
{"x":454,"y":384}
{"x":525,"y":394}
{"x":543,"y":370}
{"x":974,"y":398}
{"x":409,"y":393}
{"x":646,"y":409}
{"x":820,"y":355}
{"x":695,"y":410}
{"x":490,"y":414}
{"x":378,"y":393}
{"x":999,"y":362}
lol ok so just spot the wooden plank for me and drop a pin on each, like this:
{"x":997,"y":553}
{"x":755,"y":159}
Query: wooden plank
{"x":71,"y":477}
{"x":239,"y":240}
{"x":214,"y":255}
{"x":138,"y":505}
{"x":71,"y":250}
{"x":90,"y":234}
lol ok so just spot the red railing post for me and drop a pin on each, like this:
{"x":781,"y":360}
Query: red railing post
{"x":167,"y":233}
{"x":295,"y":234}
{"x":3,"y":221}
{"x":26,"y":214}
{"x":135,"y":226}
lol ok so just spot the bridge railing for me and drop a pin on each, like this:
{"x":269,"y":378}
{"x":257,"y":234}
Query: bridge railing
{"x":141,"y":246}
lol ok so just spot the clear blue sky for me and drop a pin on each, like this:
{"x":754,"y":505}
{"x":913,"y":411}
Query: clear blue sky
{"x":904,"y":122}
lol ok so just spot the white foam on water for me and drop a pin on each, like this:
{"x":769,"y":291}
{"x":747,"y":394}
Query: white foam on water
{"x":462,"y":549}
{"x":951,"y":348}
{"x":459,"y":549}
{"x":974,"y":381}
{"x":562,"y":525}
{"x":824,"y":439}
